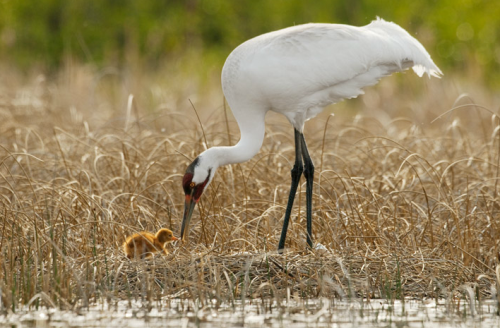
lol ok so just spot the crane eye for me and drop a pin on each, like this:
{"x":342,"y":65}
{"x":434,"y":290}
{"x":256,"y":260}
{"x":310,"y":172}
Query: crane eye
{"x":192,"y":184}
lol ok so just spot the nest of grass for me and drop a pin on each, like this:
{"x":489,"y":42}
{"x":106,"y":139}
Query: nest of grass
{"x":401,"y":208}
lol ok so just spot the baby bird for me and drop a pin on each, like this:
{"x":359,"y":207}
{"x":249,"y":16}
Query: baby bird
{"x":145,"y":244}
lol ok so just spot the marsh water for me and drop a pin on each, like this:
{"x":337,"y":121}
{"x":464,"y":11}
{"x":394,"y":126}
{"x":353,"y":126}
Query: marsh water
{"x":266,"y":313}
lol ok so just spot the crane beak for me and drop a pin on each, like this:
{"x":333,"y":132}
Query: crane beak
{"x":188,"y":211}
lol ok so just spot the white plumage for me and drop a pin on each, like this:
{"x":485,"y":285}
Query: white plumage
{"x":297,"y":71}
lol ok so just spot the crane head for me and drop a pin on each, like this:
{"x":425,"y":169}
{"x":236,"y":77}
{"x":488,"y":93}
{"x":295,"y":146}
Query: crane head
{"x":193,"y":191}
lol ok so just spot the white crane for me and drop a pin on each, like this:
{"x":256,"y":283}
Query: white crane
{"x":297,"y":71}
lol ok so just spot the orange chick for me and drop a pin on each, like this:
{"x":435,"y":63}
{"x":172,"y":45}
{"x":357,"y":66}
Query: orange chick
{"x":145,"y":244}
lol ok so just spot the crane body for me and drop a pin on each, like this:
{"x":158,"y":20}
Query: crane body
{"x":297,"y":71}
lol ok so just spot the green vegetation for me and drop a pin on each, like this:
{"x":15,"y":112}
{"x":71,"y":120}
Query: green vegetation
{"x":459,"y":34}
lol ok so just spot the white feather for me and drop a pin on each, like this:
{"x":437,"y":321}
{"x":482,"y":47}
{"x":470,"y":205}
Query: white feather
{"x":299,"y":70}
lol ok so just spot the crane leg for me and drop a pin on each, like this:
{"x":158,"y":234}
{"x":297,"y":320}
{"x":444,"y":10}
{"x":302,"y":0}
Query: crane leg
{"x":297,"y":170}
{"x":309,"y":175}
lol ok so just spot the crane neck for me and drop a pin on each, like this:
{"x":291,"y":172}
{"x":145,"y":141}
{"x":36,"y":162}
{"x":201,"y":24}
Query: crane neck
{"x":252,"y":128}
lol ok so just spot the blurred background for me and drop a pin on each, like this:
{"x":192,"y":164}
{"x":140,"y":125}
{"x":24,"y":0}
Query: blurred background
{"x":197,"y":35}
{"x":167,"y":53}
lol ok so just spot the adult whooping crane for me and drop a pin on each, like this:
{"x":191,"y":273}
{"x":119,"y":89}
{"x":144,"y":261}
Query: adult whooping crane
{"x":297,"y":71}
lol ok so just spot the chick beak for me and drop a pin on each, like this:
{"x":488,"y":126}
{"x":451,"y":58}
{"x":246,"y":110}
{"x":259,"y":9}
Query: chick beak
{"x":188,"y":211}
{"x":174,"y":238}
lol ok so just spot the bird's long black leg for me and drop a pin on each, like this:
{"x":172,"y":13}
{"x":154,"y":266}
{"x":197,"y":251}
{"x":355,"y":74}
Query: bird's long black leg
{"x":309,"y":175}
{"x":296,"y":173}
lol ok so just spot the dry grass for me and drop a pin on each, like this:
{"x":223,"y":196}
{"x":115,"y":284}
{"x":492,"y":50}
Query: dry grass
{"x":404,"y":207}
